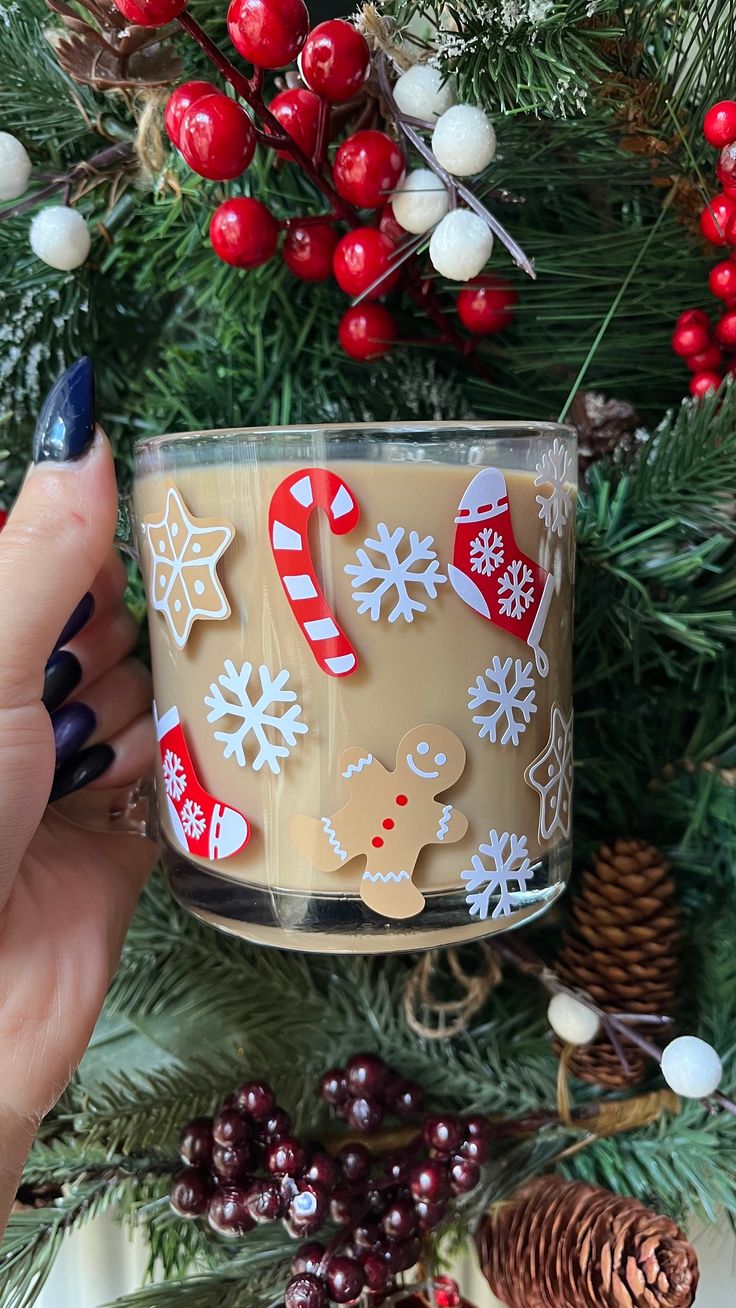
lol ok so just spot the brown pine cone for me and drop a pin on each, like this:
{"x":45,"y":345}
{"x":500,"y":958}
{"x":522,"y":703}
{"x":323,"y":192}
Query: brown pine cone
{"x":565,"y":1242}
{"x":100,"y":48}
{"x":607,"y":429}
{"x":621,"y":946}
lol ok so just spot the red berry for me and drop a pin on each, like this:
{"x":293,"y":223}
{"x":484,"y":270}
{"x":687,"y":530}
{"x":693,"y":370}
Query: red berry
{"x":333,"y":1086}
{"x":726,"y":169}
{"x":719,"y":125}
{"x":305,"y":1291}
{"x":402,"y":1254}
{"x":375,"y":1271}
{"x":190,"y":1193}
{"x":364,"y":1114}
{"x":693,"y":315}
{"x":400,"y":1219}
{"x":308,"y":1207}
{"x":228,"y":1212}
{"x":367,"y":331}
{"x":476,"y":1141}
{"x":230,"y":1127}
{"x":707,"y":360}
{"x":404,"y":1098}
{"x":273,"y":1127}
{"x":367,"y":1236}
{"x":269,"y":33}
{"x":231,"y":1162}
{"x":726,"y":330}
{"x":178,"y":103}
{"x":243,"y":232}
{"x":446,"y":1292}
{"x":367,"y":168}
{"x":286,"y":1157}
{"x":216,"y":137}
{"x":429,"y":1215}
{"x":355,"y":1162}
{"x":335,"y":61}
{"x":264,"y":1202}
{"x":347,"y":1204}
{"x":395,"y":232}
{"x":702,"y":383}
{"x":367,"y":1075}
{"x":345,"y":1279}
{"x":195,"y":1142}
{"x":429,"y":1181}
{"x":487,"y":306}
{"x":323,"y":1170}
{"x":443,"y":1134}
{"x":722,"y":279}
{"x":308,"y":1258}
{"x":464,"y":1174}
{"x":714,"y":220}
{"x":255,"y":1098}
{"x":308,"y":253}
{"x":151,"y":13}
{"x":397,"y":1166}
{"x":689,"y":338}
{"x":362,"y":259}
{"x":297,"y":111}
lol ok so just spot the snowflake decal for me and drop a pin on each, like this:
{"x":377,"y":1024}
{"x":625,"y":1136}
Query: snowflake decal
{"x":551,"y":776}
{"x":395,"y":576}
{"x":254,"y":715}
{"x":486,"y":552}
{"x":553,"y":471}
{"x":192,"y":819}
{"x":175,"y":778}
{"x":508,"y":696}
{"x":508,"y":865}
{"x":516,"y":589}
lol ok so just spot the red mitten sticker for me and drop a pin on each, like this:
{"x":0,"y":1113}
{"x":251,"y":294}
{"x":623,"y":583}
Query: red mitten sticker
{"x":292,"y":505}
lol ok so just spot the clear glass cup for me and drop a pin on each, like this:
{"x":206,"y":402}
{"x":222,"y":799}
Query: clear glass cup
{"x":361,"y":645}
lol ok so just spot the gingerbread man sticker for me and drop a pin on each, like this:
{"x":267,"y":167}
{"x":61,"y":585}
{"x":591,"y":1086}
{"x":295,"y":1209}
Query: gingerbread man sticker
{"x":389,"y":818}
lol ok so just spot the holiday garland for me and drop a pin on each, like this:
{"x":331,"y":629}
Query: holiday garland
{"x":598,"y":115}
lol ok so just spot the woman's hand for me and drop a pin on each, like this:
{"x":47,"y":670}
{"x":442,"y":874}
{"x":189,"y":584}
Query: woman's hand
{"x":74,"y":711}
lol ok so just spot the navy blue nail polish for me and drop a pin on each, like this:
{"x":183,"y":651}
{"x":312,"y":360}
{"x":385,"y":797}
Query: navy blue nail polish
{"x":81,"y":615}
{"x":80,"y":770}
{"x":63,"y":674}
{"x":73,"y":725}
{"x":66,"y":424}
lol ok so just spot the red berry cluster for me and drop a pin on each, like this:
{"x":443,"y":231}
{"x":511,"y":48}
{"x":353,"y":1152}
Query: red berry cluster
{"x":703,"y":347}
{"x":244,"y":1167}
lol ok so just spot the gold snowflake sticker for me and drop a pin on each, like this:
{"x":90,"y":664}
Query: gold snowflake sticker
{"x":185,"y":551}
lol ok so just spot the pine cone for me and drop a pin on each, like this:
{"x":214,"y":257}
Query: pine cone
{"x":565,"y":1242}
{"x":104,"y":50}
{"x":606,"y":428}
{"x":622,"y":947}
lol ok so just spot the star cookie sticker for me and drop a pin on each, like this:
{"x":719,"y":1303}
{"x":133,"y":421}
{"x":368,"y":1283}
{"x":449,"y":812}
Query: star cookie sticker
{"x":185,"y":551}
{"x":551,"y":776}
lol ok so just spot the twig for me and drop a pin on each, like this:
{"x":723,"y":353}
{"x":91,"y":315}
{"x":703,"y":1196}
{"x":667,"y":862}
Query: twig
{"x":109,"y":158}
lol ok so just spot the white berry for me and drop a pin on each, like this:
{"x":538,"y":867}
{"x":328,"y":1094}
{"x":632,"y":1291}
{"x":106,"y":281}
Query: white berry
{"x":571,"y":1021}
{"x":460,"y":246}
{"x":60,"y":237}
{"x":422,"y":92}
{"x":464,"y":141}
{"x":691,"y":1067}
{"x":420,"y":201}
{"x":15,"y":167}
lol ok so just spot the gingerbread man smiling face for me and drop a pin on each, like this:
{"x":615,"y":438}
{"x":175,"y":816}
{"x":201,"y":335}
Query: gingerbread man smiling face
{"x":389,"y":818}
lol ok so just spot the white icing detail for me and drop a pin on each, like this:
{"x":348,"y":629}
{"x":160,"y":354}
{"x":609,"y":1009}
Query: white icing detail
{"x":535,"y":635}
{"x":167,"y":723}
{"x":385,"y":876}
{"x":302,"y":491}
{"x":285,"y":538}
{"x":466,"y":588}
{"x":354,"y":768}
{"x":444,"y":822}
{"x":301,"y":587}
{"x":321,"y":629}
{"x":341,"y":664}
{"x":426,"y":776}
{"x":342,"y":503}
{"x":229,"y":831}
{"x":329,"y":831}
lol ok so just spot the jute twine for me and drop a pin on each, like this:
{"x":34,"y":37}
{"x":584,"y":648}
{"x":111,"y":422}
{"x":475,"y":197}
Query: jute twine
{"x":441,"y":1019}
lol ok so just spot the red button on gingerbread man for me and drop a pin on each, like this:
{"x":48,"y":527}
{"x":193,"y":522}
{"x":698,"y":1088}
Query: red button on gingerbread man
{"x":389,"y":818}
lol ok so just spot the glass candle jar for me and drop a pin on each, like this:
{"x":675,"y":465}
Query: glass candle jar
{"x":361,"y":645}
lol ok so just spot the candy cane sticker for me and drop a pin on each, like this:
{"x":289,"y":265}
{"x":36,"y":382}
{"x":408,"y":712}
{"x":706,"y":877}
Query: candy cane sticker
{"x":292,"y":506}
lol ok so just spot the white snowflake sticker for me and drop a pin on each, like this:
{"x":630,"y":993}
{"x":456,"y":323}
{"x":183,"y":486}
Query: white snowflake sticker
{"x":192,"y":819}
{"x":253,"y":716}
{"x":175,"y":778}
{"x":396,"y":575}
{"x":551,"y":776}
{"x":516,"y":590}
{"x":486,"y":552}
{"x":553,"y":471}
{"x":507,"y":696}
{"x":507,"y":865}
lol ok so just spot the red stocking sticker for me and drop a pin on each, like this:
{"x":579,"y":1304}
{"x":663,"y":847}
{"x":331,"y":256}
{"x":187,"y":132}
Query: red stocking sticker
{"x":202,"y":824}
{"x":489,"y":571}
{"x":292,"y":505}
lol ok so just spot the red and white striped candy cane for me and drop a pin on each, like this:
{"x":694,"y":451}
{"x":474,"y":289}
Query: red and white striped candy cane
{"x":292,"y":505}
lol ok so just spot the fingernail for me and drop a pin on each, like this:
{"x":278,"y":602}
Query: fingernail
{"x":81,"y":615}
{"x":66,"y":425}
{"x":63,"y":674}
{"x":80,"y":770}
{"x":73,"y":726}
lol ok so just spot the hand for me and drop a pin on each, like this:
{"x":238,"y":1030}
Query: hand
{"x":71,"y":718}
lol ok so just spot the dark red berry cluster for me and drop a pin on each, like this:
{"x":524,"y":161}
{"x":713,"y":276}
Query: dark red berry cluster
{"x":244,"y":1167}
{"x":706,"y":349}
